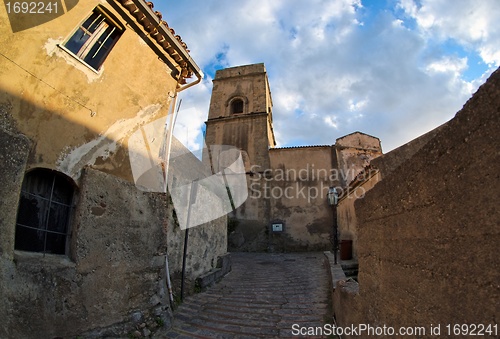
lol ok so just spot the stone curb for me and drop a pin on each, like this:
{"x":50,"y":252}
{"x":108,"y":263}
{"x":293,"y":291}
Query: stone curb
{"x":214,"y":275}
{"x":336,"y":272}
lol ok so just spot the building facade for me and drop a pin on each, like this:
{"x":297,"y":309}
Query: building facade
{"x":287,"y":187}
{"x":83,"y":250}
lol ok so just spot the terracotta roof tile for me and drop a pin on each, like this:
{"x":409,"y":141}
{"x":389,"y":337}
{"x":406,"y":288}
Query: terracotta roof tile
{"x":152,"y":29}
{"x":293,"y":147}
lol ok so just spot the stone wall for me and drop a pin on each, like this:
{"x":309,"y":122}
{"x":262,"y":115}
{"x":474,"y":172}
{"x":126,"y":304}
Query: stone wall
{"x":429,"y":232}
{"x":346,"y":213}
{"x":114,"y":277}
{"x":206,"y":242}
{"x":380,"y":165}
{"x":355,"y":151}
{"x":389,"y":162}
{"x":298,"y":184}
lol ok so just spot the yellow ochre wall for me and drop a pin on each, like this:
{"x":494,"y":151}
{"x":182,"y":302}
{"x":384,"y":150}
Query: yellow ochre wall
{"x":73,"y":115}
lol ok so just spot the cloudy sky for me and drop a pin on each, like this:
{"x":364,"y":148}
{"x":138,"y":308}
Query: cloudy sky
{"x":394,"y":69}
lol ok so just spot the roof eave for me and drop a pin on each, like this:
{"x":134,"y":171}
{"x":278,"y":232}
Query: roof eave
{"x":154,"y":22}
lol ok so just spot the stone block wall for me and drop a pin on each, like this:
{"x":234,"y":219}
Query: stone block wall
{"x":429,"y":233}
{"x":114,"y":277}
{"x":249,"y":82}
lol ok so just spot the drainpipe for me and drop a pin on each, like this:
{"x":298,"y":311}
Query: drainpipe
{"x":170,"y":133}
{"x":166,"y":160}
{"x":183,"y":53}
{"x":172,"y":40}
{"x":165,"y":156}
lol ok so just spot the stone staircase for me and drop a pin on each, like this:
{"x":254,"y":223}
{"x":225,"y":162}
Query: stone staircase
{"x":264,"y":296}
{"x":350,"y":268}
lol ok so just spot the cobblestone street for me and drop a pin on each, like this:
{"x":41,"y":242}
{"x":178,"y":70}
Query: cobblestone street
{"x":263,"y":296}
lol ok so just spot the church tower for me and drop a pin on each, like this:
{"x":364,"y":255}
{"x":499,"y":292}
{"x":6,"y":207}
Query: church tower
{"x":240,"y":112}
{"x":240,"y":115}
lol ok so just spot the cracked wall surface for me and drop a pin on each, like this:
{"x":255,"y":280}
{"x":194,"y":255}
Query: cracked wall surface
{"x":58,"y":114}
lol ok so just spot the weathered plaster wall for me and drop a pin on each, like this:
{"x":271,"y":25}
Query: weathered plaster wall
{"x":114,"y":274}
{"x":113,"y":277}
{"x":429,"y":232}
{"x":206,"y":242}
{"x":355,"y":151}
{"x":51,"y":95}
{"x":346,"y":213}
{"x":300,"y":178}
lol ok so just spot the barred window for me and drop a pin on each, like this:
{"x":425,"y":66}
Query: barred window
{"x":94,"y":38}
{"x":44,"y":212}
{"x":237,"y":106}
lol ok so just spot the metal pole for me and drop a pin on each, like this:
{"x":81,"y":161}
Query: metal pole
{"x":184,"y":260}
{"x":192,"y":199}
{"x":335,"y":234}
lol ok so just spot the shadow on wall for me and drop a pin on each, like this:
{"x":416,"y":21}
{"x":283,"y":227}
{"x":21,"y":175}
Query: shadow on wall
{"x":428,"y":233}
{"x":112,"y":275}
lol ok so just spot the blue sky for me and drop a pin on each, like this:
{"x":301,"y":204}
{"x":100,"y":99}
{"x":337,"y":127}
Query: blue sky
{"x":394,"y":69}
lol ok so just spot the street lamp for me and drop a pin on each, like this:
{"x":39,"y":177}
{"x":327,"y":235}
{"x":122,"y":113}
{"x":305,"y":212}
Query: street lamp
{"x":333,"y":199}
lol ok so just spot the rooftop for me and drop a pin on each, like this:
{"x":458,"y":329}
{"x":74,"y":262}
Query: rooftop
{"x":159,"y":31}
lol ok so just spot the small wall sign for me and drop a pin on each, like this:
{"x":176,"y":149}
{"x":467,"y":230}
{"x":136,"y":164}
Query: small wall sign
{"x":277,"y":227}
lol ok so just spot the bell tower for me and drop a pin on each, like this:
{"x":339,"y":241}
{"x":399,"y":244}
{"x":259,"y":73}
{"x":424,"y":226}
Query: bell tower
{"x":240,"y":115}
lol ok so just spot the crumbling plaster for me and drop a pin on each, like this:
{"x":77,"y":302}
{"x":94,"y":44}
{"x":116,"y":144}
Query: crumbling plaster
{"x":58,"y":114}
{"x":68,"y":109}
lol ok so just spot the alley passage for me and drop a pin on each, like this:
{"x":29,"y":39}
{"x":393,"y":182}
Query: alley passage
{"x":263,"y":296}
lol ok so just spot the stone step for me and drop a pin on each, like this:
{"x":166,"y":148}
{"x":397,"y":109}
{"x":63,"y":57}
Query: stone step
{"x":351,"y":272}
{"x":347,"y":265}
{"x":257,"y":300}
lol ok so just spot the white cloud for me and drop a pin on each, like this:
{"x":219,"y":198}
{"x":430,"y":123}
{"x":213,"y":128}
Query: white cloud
{"x":448,"y":64}
{"x":336,"y":67}
{"x":192,"y":113}
{"x":330,"y":121}
{"x":472,"y":23}
{"x":357,"y":105}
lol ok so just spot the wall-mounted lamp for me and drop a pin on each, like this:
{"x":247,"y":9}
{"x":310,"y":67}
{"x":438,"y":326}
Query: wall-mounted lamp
{"x":333,"y":196}
{"x":333,"y":199}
